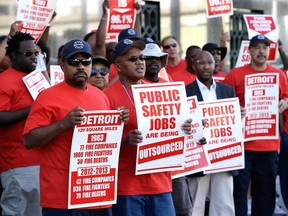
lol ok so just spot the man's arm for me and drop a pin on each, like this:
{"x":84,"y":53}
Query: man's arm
{"x":102,"y":30}
{"x":8,"y":118}
{"x":42,"y":135}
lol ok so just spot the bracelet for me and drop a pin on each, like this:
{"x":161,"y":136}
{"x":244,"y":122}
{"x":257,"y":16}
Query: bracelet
{"x":104,"y":19}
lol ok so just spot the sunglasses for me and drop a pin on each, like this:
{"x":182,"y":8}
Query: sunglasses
{"x":169,"y":46}
{"x":101,"y":71}
{"x":202,"y":63}
{"x":29,"y":53}
{"x":134,"y":59}
{"x":76,"y":62}
{"x":216,"y":52}
{"x":151,"y":58}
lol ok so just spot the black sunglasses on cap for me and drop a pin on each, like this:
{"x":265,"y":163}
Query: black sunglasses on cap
{"x":29,"y":53}
{"x":76,"y":62}
{"x":101,"y":71}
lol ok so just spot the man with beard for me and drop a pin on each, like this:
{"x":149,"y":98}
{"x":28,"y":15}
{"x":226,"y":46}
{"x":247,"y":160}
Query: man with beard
{"x":19,"y":167}
{"x":220,"y":185}
{"x":50,"y":126}
{"x":261,"y":156}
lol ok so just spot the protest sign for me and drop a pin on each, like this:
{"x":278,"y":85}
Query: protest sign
{"x":163,"y":107}
{"x":261,"y":103}
{"x":94,"y":160}
{"x":35,"y":83}
{"x":223,"y":132}
{"x":56,"y":74}
{"x":196,"y":158}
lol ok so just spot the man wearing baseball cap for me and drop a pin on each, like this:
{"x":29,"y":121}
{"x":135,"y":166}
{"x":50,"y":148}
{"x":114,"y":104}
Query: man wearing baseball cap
{"x":50,"y":125}
{"x":142,"y":195}
{"x":261,"y":155}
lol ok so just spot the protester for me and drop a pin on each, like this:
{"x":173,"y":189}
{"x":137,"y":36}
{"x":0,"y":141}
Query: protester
{"x":155,"y":60}
{"x":141,"y":195}
{"x":4,"y":59}
{"x":219,"y":54}
{"x":175,"y":63}
{"x":19,"y":167}
{"x":261,"y":156}
{"x":100,"y":72}
{"x":50,"y":125}
{"x":219,"y":185}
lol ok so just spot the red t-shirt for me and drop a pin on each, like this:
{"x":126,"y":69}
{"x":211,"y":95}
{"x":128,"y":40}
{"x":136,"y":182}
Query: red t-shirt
{"x":128,"y":182}
{"x":113,"y":72}
{"x":236,"y":78}
{"x":52,"y":105}
{"x":14,"y":96}
{"x":179,"y":73}
{"x":219,"y":76}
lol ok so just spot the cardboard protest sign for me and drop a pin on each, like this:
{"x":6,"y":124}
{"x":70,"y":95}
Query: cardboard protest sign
{"x":216,"y":8}
{"x":244,"y":57}
{"x":196,"y":158}
{"x":56,"y":74}
{"x":223,"y":132}
{"x":94,"y":160}
{"x":265,"y":25}
{"x":121,"y":16}
{"x":261,"y":103}
{"x":35,"y":83}
{"x":163,"y":107}
{"x":35,"y":16}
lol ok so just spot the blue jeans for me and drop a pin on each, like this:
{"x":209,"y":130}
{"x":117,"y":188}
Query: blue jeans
{"x":144,"y":205}
{"x":76,"y":212}
{"x":261,"y":169}
{"x":282,"y":171}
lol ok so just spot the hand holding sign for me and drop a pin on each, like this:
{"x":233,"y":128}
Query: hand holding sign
{"x":74,"y":117}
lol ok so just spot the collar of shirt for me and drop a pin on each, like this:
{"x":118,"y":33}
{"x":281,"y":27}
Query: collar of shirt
{"x":207,"y":94}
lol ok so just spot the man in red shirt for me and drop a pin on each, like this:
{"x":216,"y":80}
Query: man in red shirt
{"x":261,"y":156}
{"x":141,"y":195}
{"x":50,"y":126}
{"x":19,"y":167}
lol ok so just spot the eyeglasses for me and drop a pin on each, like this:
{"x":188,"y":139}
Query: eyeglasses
{"x":218,"y":52}
{"x":76,"y":62}
{"x":202,"y":63}
{"x":169,"y":46}
{"x":151,"y":58}
{"x":134,"y":59}
{"x":101,"y":71}
{"x":29,"y":53}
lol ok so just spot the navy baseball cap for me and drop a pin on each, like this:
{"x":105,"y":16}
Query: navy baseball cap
{"x":129,"y":33}
{"x":257,"y":39}
{"x":76,"y":46}
{"x":123,"y":46}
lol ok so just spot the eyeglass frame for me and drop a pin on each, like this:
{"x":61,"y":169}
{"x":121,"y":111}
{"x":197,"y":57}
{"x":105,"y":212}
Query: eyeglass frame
{"x":35,"y":52}
{"x":136,"y":58}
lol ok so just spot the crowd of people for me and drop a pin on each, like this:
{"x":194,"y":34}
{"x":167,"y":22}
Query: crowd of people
{"x":36,"y":136}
